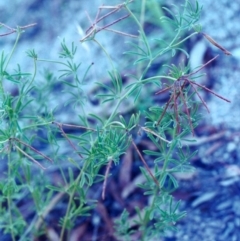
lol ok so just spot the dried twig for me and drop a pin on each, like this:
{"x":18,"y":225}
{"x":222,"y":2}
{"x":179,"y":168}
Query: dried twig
{"x":13,"y":30}
{"x":31,"y":158}
{"x":155,"y":134}
{"x":32,"y":148}
{"x":65,"y":135}
{"x":93,"y":29}
{"x":211,"y":40}
{"x":73,"y":126}
{"x":144,"y":163}
{"x":177,"y":91}
{"x":105,"y":178}
{"x":212,"y":92}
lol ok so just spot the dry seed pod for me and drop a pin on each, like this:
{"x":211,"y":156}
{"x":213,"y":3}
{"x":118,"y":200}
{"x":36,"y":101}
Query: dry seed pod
{"x":211,"y":40}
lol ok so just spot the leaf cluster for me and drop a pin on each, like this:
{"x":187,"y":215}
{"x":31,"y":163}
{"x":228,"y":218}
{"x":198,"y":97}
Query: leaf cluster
{"x":79,"y":152}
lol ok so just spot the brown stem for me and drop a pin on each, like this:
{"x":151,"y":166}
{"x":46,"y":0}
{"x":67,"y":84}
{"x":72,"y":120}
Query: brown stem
{"x":163,"y":90}
{"x":28,"y":156}
{"x":15,"y":30}
{"x":105,"y":178}
{"x":32,"y":148}
{"x":114,"y":22}
{"x":65,"y":135}
{"x":93,"y":24}
{"x":175,"y":105}
{"x":155,"y":134}
{"x":219,"y":96}
{"x":74,"y":126}
{"x":199,"y":96}
{"x":121,"y":33}
{"x":144,"y":163}
{"x":164,"y":111}
{"x":186,"y":107}
{"x":106,"y":15}
{"x":211,"y":40}
{"x":203,"y":66}
{"x":48,"y":209}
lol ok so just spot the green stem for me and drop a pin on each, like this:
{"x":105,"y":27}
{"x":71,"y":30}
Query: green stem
{"x":114,"y":112}
{"x":183,"y":40}
{"x":106,"y":53}
{"x":158,"y":77}
{"x":143,"y":74}
{"x":71,"y":196}
{"x":13,"y":49}
{"x":108,"y":56}
{"x":166,"y":161}
{"x":141,"y":31}
{"x":34,"y":73}
{"x":169,"y":47}
{"x":142,"y":16}
{"x":145,"y":40}
{"x":142,"y":20}
{"x":158,"y":188}
{"x":36,"y":125}
{"x":9,"y":200}
{"x":52,"y":61}
{"x":8,"y":60}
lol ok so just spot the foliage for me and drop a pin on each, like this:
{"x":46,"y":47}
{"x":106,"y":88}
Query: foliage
{"x":99,"y":141}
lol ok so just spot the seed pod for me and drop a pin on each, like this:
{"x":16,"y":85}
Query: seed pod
{"x":211,"y":40}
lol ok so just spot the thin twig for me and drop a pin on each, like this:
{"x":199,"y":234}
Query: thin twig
{"x":90,"y":20}
{"x":155,"y":134}
{"x":117,"y":7}
{"x":6,"y":26}
{"x":203,"y":66}
{"x":65,"y":135}
{"x":219,"y":96}
{"x":106,"y":15}
{"x":164,"y":111}
{"x":105,"y":178}
{"x":74,"y":126}
{"x":144,"y":163}
{"x":175,"y":105}
{"x":31,"y":158}
{"x":186,"y":107}
{"x":32,"y":148}
{"x":13,"y":30}
{"x":163,"y":90}
{"x":98,"y":13}
{"x":199,"y":96}
{"x":48,"y":209}
{"x":92,"y":30}
{"x":114,"y":22}
{"x":211,"y":40}
{"x":121,"y":33}
{"x":93,"y":24}
{"x":174,"y":96}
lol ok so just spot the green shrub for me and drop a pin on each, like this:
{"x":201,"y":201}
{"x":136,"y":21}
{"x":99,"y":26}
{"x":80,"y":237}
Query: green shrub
{"x":100,"y":141}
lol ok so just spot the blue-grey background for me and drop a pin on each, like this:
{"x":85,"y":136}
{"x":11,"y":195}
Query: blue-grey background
{"x":58,"y":19}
